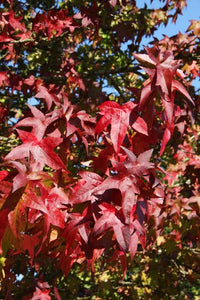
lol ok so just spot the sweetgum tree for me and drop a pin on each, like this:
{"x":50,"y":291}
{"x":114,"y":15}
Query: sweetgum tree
{"x":99,"y":151}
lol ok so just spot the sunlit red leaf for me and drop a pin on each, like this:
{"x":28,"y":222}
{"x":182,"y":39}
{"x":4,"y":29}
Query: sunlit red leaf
{"x":45,"y":94}
{"x":118,"y":117}
{"x":140,"y":125}
{"x":42,"y":151}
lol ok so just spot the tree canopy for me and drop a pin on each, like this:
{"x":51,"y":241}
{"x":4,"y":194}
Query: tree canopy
{"x":100,"y":145}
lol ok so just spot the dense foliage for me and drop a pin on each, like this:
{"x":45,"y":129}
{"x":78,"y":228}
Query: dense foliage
{"x":100,"y":145}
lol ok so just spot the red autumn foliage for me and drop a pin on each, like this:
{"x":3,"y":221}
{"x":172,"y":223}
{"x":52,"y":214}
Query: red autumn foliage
{"x":84,"y":183}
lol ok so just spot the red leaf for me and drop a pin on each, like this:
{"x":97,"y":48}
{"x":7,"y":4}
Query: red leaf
{"x":127,"y":189}
{"x":5,"y":188}
{"x":42,"y":151}
{"x":106,"y":110}
{"x":166,"y":138}
{"x":56,"y":293}
{"x":41,"y":295}
{"x":145,"y":60}
{"x":143,"y":159}
{"x":162,"y":79}
{"x":29,"y":243}
{"x":101,"y":162}
{"x":133,"y":244}
{"x":39,"y":122}
{"x":84,"y":189}
{"x":122,"y":257}
{"x":169,"y":111}
{"x":3,"y":175}
{"x":30,"y":80}
{"x":4,"y":224}
{"x":138,"y":166}
{"x":118,"y":117}
{"x":32,"y":200}
{"x":113,"y":3}
{"x":110,"y":220}
{"x":47,"y":95}
{"x":146,"y":92}
{"x":176,"y":85}
{"x":55,"y":201}
{"x":20,"y":179}
{"x":3,"y":78}
{"x":140,"y":125}
{"x":14,"y":22}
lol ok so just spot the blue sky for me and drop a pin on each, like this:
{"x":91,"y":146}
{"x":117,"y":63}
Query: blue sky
{"x":190,"y":12}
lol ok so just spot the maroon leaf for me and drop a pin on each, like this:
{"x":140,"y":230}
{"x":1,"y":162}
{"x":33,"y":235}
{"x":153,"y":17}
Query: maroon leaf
{"x":4,"y":224}
{"x":29,"y":243}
